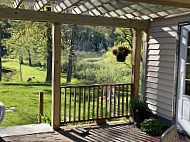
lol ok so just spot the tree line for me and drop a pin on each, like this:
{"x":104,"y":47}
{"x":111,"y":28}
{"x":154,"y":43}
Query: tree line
{"x":32,"y":41}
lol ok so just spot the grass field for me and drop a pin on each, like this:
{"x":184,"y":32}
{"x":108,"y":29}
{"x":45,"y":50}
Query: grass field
{"x":24,"y":95}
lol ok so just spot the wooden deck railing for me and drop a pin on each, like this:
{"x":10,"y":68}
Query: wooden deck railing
{"x":94,"y":102}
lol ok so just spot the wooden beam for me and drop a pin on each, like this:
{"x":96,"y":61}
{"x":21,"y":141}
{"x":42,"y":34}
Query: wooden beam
{"x":174,"y":3}
{"x":56,"y":76}
{"x":91,"y":4}
{"x":17,"y":3}
{"x":113,"y":6}
{"x":136,"y":59}
{"x":65,"y":18}
{"x":41,"y":4}
{"x":66,"y":5}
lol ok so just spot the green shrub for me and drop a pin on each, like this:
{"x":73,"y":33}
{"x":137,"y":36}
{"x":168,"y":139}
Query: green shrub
{"x":46,"y":118}
{"x":138,"y":105}
{"x":152,"y":126}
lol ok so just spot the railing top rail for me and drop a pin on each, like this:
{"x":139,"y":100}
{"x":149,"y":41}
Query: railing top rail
{"x":95,"y":85}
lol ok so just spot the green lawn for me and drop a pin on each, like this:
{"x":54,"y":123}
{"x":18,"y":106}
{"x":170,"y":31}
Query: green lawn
{"x":24,"y":95}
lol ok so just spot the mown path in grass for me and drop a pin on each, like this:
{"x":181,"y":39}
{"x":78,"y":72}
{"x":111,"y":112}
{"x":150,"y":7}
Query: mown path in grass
{"x":24,"y":95}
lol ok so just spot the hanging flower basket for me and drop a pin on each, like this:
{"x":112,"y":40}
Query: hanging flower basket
{"x":121,"y":58}
{"x":121,"y":53}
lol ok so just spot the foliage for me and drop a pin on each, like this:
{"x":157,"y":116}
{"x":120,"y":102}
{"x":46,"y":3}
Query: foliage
{"x":28,"y":39}
{"x":121,"y":51}
{"x":46,"y":118}
{"x":102,"y":69}
{"x":152,"y":126}
{"x":138,"y":105}
{"x":124,"y":35}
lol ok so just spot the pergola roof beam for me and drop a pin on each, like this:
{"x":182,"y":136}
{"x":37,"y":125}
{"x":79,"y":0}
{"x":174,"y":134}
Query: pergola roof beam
{"x":66,"y":5}
{"x":87,"y":6}
{"x":41,"y":4}
{"x":173,"y":3}
{"x":65,"y":18}
{"x":17,"y":3}
{"x":110,"y":7}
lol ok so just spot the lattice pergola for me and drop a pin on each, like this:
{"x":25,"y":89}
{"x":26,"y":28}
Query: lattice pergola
{"x":115,"y":13}
{"x":137,"y":9}
{"x":135,"y":12}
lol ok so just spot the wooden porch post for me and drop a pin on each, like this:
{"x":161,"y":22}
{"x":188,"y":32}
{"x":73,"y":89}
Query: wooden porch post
{"x":56,"y":75}
{"x":136,"y":58}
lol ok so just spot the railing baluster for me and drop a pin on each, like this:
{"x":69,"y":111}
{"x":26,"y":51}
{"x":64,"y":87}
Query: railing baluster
{"x":118,"y":100}
{"x":70,"y":104}
{"x":97,"y":109}
{"x":84,"y":103}
{"x":93,"y":105}
{"x":65,"y":104}
{"x":106,"y":101}
{"x":79,"y":103}
{"x":122,"y":100}
{"x":74,"y":104}
{"x":102,"y":101}
{"x":110,"y":100}
{"x":114,"y":108}
{"x":114,"y":93}
{"x":127,"y":99}
{"x":88,"y":102}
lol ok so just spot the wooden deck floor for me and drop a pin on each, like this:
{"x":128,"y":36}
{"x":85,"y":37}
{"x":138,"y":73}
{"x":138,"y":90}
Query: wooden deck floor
{"x":108,"y":133}
{"x":123,"y":132}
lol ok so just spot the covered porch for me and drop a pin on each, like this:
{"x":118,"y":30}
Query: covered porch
{"x":136,"y":14}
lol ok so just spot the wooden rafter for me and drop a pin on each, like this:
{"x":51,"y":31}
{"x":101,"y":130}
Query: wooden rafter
{"x":17,"y":3}
{"x":134,"y":10}
{"x":174,"y":3}
{"x":41,"y":4}
{"x":110,"y":7}
{"x":87,"y":6}
{"x":65,"y":18}
{"x":66,"y":5}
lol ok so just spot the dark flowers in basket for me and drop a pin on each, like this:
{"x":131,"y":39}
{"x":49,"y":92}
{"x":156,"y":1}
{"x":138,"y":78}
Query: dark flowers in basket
{"x":121,"y":53}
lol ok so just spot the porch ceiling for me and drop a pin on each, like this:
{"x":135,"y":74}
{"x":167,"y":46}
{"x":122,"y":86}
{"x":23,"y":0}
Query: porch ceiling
{"x":126,"y":9}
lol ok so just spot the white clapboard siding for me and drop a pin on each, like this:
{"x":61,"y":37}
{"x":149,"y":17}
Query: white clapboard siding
{"x":162,"y":52}
{"x":163,"y":33}
{"x":162,"y":46}
{"x":160,"y":112}
{"x":160,"y":63}
{"x":162,"y":41}
{"x":159,"y":75}
{"x":164,"y":28}
{"x":160,"y":87}
{"x":160,"y":92}
{"x":159,"y":98}
{"x":159,"y":104}
{"x":161,"y":69}
{"x":161,"y":60}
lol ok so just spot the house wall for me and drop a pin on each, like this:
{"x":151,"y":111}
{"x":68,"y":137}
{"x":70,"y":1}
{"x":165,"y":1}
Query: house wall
{"x":160,"y":65}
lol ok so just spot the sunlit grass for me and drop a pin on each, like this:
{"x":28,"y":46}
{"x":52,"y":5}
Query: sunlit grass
{"x":24,"y":95}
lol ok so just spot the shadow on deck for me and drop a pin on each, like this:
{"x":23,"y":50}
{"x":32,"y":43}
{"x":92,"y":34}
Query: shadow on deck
{"x":107,"y":133}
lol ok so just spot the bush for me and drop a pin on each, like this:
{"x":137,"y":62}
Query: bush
{"x":46,"y":118}
{"x":138,"y":105}
{"x":152,"y":126}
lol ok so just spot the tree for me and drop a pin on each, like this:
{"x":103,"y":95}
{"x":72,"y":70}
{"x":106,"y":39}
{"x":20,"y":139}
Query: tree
{"x":71,"y":54}
{"x":0,"y":55}
{"x":28,"y":39}
{"x":124,"y":35}
{"x":49,"y":53}
{"x":49,"y":50}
